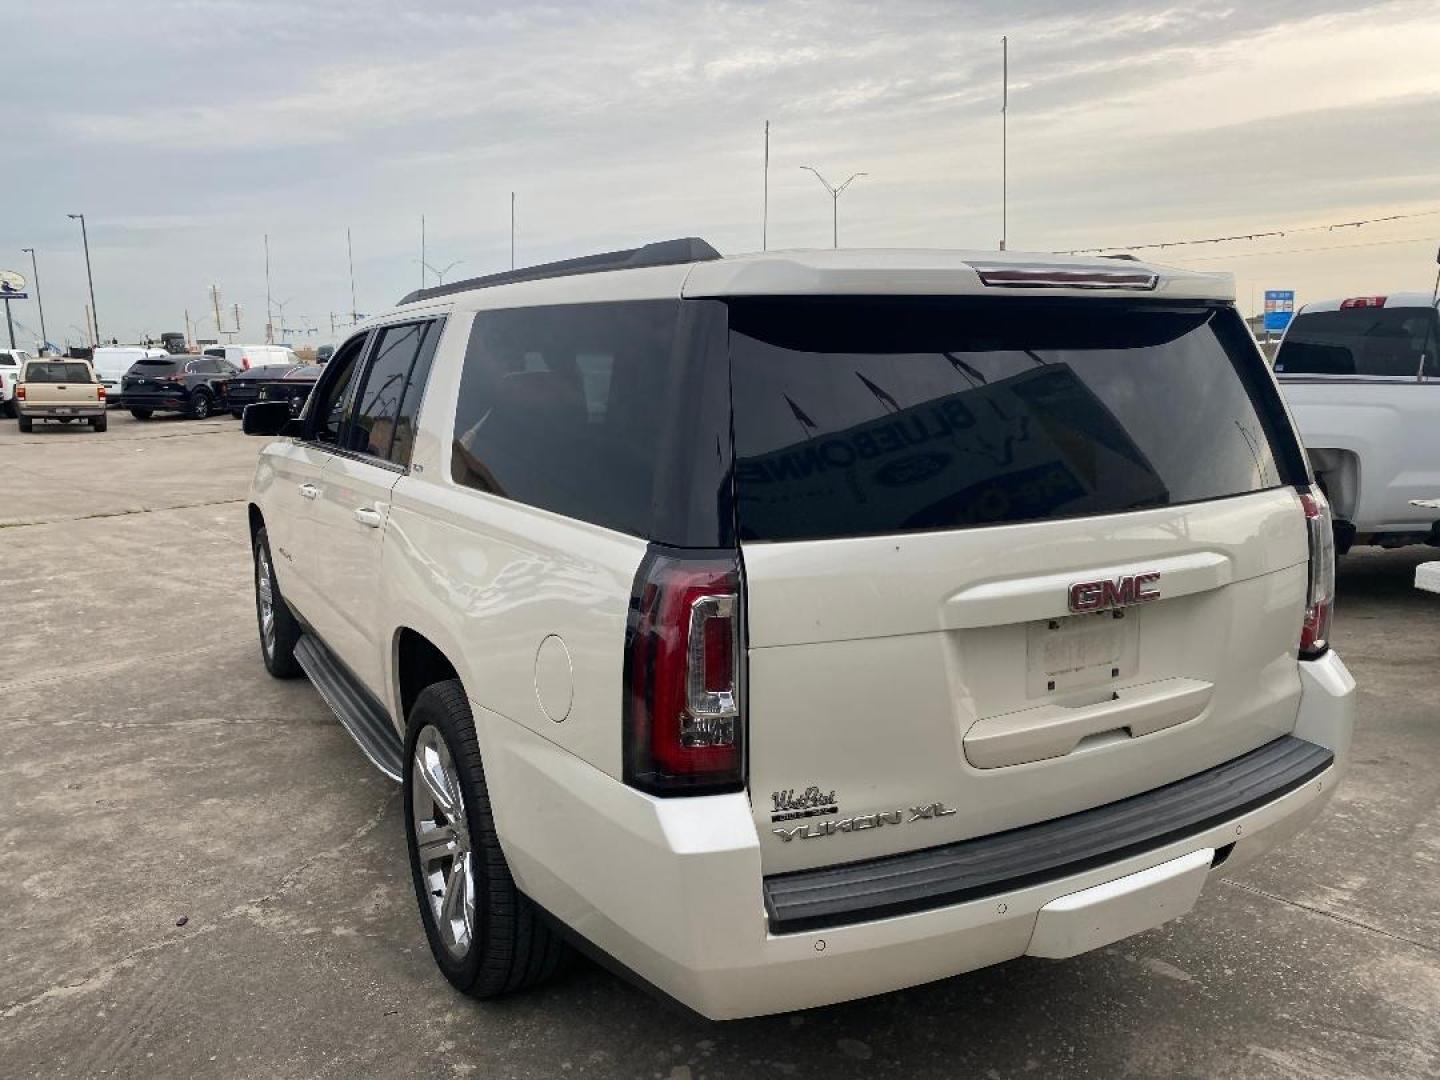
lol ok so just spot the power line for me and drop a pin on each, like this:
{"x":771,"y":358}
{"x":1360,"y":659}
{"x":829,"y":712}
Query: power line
{"x":1256,"y":235}
{"x":1306,"y":251}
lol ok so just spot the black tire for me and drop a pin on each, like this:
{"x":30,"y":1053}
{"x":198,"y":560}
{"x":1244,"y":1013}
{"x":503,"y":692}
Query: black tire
{"x":237,"y":413}
{"x":142,"y":414}
{"x":279,"y":651}
{"x":27,"y":425}
{"x":201,"y":405}
{"x":100,"y":423}
{"x":511,"y":948}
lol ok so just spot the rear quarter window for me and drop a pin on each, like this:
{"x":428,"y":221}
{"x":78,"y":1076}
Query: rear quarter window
{"x":866,"y":416}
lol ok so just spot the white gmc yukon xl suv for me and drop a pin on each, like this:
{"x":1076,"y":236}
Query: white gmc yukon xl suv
{"x":1362,"y":378}
{"x":793,"y":627}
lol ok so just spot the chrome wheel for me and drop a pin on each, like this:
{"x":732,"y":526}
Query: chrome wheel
{"x":442,"y":841}
{"x":265,"y":597}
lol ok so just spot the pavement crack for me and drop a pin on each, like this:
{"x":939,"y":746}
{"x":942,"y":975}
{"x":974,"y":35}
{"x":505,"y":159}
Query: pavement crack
{"x":118,"y":513}
{"x":103,"y":974}
{"x":1347,"y":920}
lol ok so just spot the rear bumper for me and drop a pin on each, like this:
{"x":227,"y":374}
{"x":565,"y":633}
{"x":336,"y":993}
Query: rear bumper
{"x":673,"y":889}
{"x":157,"y":402}
{"x":58,"y":412}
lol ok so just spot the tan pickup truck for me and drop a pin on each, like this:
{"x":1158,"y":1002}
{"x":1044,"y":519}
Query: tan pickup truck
{"x":62,"y":390}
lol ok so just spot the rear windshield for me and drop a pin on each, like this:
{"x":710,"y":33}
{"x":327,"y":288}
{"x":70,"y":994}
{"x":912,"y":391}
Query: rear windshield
{"x":57,"y":373}
{"x":215,"y":352}
{"x":861,"y":416}
{"x":159,"y":362}
{"x":1375,"y":342}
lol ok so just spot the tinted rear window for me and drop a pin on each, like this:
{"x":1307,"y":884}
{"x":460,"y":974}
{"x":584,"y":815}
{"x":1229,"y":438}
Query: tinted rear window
{"x":159,"y":362}
{"x":1374,"y":342}
{"x":57,"y":373}
{"x":864,"y":416}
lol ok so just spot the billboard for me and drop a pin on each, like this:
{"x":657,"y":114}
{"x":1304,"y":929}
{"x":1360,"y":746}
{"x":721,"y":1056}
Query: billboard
{"x":1279,"y":308}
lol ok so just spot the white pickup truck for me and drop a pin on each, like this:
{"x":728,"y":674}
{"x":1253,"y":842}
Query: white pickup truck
{"x":1362,"y":379}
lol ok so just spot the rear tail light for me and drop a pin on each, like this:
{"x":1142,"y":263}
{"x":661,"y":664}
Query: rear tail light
{"x":176,"y":377}
{"x":1363,"y":301}
{"x":684,"y":721}
{"x":20,"y":392}
{"x":1320,"y":596}
{"x":101,"y":391}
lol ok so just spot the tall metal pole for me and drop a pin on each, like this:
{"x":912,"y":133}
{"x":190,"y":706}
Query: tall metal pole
{"x":9,"y":323}
{"x":835,"y":193}
{"x":35,"y":272}
{"x":512,"y":230}
{"x":1004,"y":140}
{"x":215,"y":297}
{"x":422,"y":251}
{"x":350,"y":248}
{"x":269,"y":330}
{"x":765,"y":211}
{"x":85,"y":236}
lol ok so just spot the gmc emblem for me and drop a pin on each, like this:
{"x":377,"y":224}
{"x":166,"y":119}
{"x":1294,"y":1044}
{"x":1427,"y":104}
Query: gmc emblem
{"x":1122,"y":592}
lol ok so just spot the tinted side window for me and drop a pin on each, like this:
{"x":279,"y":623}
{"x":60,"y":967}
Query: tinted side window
{"x":328,"y":406}
{"x":1371,"y":342}
{"x":404,"y":441}
{"x":562,"y":407}
{"x":372,"y":426}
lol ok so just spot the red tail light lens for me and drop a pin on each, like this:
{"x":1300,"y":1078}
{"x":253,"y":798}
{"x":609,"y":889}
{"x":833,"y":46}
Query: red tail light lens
{"x":1320,"y":597}
{"x":1363,"y":301}
{"x":683,"y":716}
{"x":20,"y":392}
{"x":100,"y":390}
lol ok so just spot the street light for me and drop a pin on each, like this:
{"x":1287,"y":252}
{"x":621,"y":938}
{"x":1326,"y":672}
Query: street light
{"x":440,"y":274}
{"x":85,"y":236}
{"x":835,"y":193}
{"x":35,"y":274}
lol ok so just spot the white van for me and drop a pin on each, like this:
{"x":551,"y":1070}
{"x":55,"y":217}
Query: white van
{"x":111,"y":362}
{"x":245,"y":357}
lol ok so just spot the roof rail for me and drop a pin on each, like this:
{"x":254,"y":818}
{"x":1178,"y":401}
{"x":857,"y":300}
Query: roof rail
{"x":661,"y":253}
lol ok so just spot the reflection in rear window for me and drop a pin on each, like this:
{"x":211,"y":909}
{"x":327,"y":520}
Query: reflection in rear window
{"x":57,"y":373}
{"x":864,"y":416}
{"x":1375,"y":342}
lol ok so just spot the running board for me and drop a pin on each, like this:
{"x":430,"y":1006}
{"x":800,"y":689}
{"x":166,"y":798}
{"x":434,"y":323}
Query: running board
{"x":354,"y":706}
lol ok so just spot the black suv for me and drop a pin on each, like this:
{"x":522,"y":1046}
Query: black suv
{"x":187,"y":384}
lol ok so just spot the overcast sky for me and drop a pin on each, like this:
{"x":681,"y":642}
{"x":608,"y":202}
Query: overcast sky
{"x":185,"y":130}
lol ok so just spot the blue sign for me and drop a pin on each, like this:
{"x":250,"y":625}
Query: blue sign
{"x":5,"y":294}
{"x":1279,"y":308}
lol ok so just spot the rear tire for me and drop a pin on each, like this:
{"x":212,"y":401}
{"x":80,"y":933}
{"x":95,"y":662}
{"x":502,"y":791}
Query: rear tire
{"x":100,"y":423}
{"x":237,"y":413}
{"x":27,"y":425}
{"x":142,"y":414}
{"x":279,"y":629}
{"x":488,"y":939}
{"x":201,"y":405}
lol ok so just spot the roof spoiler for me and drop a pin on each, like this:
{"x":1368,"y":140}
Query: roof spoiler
{"x":687,"y":249}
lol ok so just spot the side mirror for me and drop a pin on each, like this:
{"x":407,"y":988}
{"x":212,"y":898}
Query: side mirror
{"x":269,"y":418}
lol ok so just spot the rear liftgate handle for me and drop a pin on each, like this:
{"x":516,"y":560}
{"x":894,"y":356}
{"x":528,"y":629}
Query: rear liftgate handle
{"x":369,"y":517}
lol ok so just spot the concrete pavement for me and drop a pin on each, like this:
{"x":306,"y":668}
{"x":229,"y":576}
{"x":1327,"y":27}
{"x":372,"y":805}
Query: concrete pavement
{"x":152,"y":773}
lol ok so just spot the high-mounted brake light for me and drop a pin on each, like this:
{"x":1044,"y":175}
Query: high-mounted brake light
{"x":1320,"y":595}
{"x":1363,"y":301}
{"x":684,"y":724}
{"x":1063,"y":276}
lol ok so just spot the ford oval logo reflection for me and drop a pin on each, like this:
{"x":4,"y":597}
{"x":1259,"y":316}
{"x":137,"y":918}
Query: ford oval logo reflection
{"x":912,"y":470}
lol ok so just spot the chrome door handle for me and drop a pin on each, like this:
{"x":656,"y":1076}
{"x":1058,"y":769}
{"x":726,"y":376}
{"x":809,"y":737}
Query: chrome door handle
{"x":308,"y":491}
{"x":368,"y":517}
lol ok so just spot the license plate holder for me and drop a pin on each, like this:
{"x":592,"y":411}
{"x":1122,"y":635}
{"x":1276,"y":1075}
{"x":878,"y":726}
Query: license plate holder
{"x":1077,"y":652}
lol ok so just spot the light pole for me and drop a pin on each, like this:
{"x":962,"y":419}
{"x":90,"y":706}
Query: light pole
{"x":440,"y":274}
{"x":35,"y":273}
{"x":835,"y":193}
{"x":89,"y":276}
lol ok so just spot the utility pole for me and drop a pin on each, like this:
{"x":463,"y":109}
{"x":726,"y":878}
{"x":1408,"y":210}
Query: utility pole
{"x":89,"y":327}
{"x":215,"y":299}
{"x":269,"y":332}
{"x":1004,"y":140}
{"x":85,"y":236}
{"x":835,"y":193}
{"x":237,"y":320}
{"x":35,"y":273}
{"x":350,"y":248}
{"x":189,"y":338}
{"x":765,"y":206}
{"x":512,"y":230}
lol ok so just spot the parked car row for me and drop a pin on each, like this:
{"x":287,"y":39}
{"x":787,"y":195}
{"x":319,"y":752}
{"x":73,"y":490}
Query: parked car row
{"x":148,"y":380}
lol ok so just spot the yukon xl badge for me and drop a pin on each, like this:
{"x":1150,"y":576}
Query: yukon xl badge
{"x":812,"y":802}
{"x":814,"y":830}
{"x":1121,"y":592}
